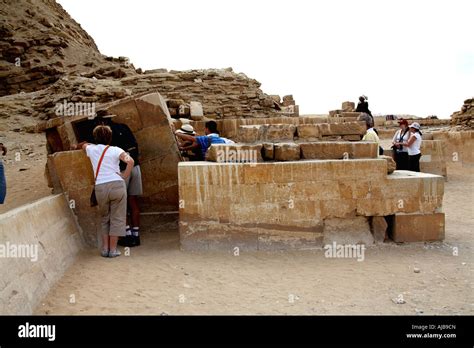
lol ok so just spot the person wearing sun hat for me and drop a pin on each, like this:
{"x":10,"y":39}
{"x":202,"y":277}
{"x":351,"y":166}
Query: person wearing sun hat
{"x":400,"y":152}
{"x":185,"y":145}
{"x":413,"y":145}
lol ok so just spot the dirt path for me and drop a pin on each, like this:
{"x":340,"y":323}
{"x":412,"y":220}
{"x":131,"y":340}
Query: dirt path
{"x":157,"y":278}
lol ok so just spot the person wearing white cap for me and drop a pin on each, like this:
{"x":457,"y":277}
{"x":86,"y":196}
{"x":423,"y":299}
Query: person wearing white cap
{"x":413,"y":145}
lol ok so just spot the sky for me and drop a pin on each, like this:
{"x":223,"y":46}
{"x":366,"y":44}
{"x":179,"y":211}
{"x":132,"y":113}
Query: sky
{"x":409,"y":57}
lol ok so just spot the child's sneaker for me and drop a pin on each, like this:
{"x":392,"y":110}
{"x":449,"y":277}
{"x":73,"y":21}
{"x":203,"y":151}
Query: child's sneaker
{"x":104,"y":253}
{"x":114,"y":253}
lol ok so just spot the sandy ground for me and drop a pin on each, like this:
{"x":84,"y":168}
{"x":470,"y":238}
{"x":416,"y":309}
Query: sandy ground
{"x":24,"y":168}
{"x":157,"y":278}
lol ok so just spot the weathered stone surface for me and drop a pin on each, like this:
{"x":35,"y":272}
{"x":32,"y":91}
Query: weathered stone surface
{"x":234,"y":153}
{"x":348,"y":106}
{"x":250,"y":134}
{"x":196,"y":112}
{"x":378,"y":227}
{"x":391,"y":165}
{"x":73,"y":171}
{"x":287,"y":152}
{"x":346,"y":128}
{"x":338,"y":150}
{"x":418,"y":227}
{"x":433,"y":157}
{"x":49,"y":225}
{"x":127,"y":113}
{"x":268,"y":197}
{"x":308,"y":132}
{"x":279,"y":132}
{"x":268,"y":151}
{"x":355,"y":230}
{"x":265,"y":132}
{"x":352,"y":137}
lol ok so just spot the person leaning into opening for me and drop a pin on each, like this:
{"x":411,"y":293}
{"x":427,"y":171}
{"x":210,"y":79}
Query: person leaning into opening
{"x":202,"y":142}
{"x":400,"y":152}
{"x":110,"y":188}
{"x":413,"y":145}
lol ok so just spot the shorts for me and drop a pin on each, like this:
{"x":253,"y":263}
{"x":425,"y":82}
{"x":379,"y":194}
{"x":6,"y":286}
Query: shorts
{"x":134,"y":182}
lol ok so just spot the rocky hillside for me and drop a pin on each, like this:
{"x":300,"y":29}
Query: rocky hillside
{"x":47,"y":58}
{"x":40,"y":43}
{"x":464,"y":117}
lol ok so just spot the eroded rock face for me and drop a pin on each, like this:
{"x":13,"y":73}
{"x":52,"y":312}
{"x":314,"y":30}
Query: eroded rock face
{"x":46,"y":53}
{"x":465,"y":115}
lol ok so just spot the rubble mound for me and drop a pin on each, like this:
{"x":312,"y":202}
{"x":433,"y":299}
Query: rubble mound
{"x":464,"y":116}
{"x":47,"y":59}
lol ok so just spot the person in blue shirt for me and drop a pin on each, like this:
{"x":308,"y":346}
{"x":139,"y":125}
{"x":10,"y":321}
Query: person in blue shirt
{"x":202,"y":142}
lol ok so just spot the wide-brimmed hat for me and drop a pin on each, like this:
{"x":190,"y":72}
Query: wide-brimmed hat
{"x":186,"y":129}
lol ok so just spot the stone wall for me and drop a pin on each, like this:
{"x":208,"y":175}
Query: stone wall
{"x":71,"y":171}
{"x":296,"y":205}
{"x":49,"y":225}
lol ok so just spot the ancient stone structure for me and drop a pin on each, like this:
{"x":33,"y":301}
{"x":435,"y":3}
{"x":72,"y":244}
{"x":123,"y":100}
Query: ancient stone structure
{"x":71,"y":171}
{"x":45,"y":52}
{"x":301,"y":204}
{"x":47,"y":226}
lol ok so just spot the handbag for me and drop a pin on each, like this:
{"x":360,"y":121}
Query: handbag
{"x":93,"y":198}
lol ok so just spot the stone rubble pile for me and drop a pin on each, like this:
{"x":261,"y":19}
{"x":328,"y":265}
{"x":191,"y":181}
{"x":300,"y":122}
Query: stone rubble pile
{"x":464,"y":116}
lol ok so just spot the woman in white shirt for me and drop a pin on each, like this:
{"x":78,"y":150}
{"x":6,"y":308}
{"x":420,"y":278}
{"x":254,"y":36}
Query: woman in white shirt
{"x":400,"y":152}
{"x":110,"y":188}
{"x":413,"y":145}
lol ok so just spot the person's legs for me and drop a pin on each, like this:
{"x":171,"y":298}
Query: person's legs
{"x":134,"y":190}
{"x":102,"y":195}
{"x":416,"y":165}
{"x":3,"y":183}
{"x":403,"y":159}
{"x":118,"y":215}
{"x":135,"y":219}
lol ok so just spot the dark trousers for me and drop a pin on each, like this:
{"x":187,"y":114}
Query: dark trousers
{"x":401,"y":158}
{"x":3,"y":183}
{"x":414,"y":162}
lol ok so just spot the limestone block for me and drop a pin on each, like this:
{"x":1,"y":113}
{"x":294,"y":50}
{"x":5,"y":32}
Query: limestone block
{"x":235,"y":153}
{"x":287,"y":152}
{"x":279,"y":132}
{"x":49,"y":225}
{"x":350,"y":114}
{"x":196,"y":111}
{"x":152,"y":110}
{"x":250,"y":134}
{"x":352,"y":137}
{"x":355,"y":230}
{"x":308,"y":132}
{"x":127,"y":113}
{"x":418,"y":227}
{"x":346,"y":128}
{"x":348,"y":106}
{"x":338,"y":150}
{"x":274,"y":240}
